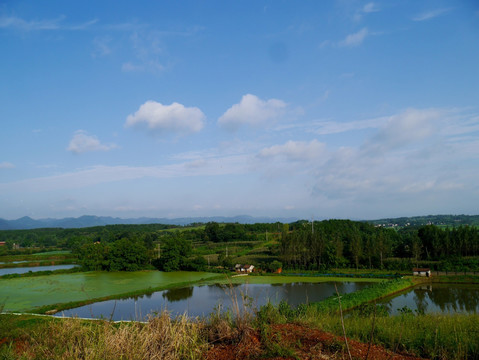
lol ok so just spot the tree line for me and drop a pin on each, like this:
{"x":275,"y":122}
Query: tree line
{"x":345,"y":243}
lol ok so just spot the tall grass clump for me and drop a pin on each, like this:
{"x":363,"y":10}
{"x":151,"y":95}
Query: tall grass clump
{"x":234,"y":324}
{"x":160,"y":338}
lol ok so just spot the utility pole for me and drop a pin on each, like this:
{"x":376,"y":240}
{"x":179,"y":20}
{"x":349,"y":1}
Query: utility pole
{"x":312,"y":224}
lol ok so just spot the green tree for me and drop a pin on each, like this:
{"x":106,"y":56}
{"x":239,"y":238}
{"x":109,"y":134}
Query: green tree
{"x":174,"y":254}
{"x":128,"y":255}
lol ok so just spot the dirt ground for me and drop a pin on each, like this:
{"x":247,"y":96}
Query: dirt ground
{"x":292,"y":341}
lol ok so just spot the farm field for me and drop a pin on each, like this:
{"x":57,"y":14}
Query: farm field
{"x":24,"y":294}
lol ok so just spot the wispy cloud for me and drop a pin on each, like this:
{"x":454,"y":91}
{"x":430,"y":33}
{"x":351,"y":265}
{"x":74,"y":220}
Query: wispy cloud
{"x":18,"y":23}
{"x":295,"y":151}
{"x":354,"y":39}
{"x":334,"y":127}
{"x":431,"y":14}
{"x":82,"y":142}
{"x":102,"y":46}
{"x":6,"y":165}
{"x":370,"y":7}
{"x":148,"y":49}
{"x":84,"y":178}
{"x":366,"y":9}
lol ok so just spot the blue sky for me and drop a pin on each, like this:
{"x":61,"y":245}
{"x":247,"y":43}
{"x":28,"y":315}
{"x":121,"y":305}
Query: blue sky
{"x":332,"y":109}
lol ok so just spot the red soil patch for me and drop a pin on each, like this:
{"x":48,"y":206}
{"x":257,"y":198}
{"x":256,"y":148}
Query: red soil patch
{"x":301,"y":343}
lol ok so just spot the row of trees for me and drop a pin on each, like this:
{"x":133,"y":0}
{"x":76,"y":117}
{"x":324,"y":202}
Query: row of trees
{"x":341,"y":243}
{"x":335,"y":243}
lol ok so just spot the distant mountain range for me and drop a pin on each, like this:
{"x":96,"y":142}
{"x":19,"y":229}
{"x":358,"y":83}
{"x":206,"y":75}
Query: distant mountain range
{"x":26,"y":222}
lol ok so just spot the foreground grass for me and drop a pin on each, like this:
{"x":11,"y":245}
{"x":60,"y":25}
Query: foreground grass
{"x":430,"y":336}
{"x":30,"y":337}
{"x":160,"y":338}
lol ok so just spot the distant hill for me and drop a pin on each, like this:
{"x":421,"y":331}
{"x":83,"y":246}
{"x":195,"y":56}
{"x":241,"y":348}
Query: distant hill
{"x":26,"y":222}
{"x":444,"y":220}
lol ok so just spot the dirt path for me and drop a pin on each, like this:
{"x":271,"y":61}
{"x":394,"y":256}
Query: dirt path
{"x":292,"y":341}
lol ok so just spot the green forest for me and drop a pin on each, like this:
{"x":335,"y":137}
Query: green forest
{"x":301,"y":245}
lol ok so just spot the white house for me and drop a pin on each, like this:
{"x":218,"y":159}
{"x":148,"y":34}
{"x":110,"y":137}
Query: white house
{"x":421,"y":272}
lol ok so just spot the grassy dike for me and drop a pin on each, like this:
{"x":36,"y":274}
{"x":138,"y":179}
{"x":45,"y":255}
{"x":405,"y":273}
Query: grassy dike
{"x":369,"y":294}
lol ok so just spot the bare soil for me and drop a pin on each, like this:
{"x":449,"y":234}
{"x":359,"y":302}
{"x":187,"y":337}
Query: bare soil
{"x":291,"y":341}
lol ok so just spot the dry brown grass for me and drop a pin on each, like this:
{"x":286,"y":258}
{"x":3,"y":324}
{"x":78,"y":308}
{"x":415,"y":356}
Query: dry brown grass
{"x":160,"y":338}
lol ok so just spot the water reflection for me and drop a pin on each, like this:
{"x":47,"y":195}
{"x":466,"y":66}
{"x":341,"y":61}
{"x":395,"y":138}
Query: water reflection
{"x":178,"y":294}
{"x":437,"y":298}
{"x":202,"y":300}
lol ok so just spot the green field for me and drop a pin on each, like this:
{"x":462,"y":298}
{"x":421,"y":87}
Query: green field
{"x":23,"y":294}
{"x":56,"y":252}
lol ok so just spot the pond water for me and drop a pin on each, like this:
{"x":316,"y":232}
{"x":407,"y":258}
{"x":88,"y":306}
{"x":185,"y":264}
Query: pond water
{"x":436,"y":298}
{"x":23,"y":270}
{"x":202,"y":300}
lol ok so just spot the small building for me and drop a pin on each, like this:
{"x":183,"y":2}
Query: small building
{"x":2,"y":243}
{"x":421,"y":272}
{"x":244,"y":268}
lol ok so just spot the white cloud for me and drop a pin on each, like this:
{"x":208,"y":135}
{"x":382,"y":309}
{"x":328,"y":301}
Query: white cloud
{"x":370,"y":7}
{"x":174,"y":118}
{"x":148,"y":48}
{"x":355,"y":39}
{"x":410,"y":126}
{"x":84,"y":178}
{"x":36,"y":25}
{"x":430,"y":14}
{"x":295,"y":150}
{"x":6,"y":165}
{"x":101,"y":46}
{"x":251,"y":111}
{"x":333,"y":127}
{"x":82,"y":142}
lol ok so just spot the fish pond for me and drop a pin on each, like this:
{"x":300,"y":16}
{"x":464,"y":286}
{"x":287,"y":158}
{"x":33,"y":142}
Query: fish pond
{"x":24,"y":270}
{"x":30,"y":293}
{"x":435,"y":298}
{"x":203,"y":300}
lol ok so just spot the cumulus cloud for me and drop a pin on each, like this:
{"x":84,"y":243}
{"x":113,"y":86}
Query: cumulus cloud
{"x":355,"y":39}
{"x":82,"y":142}
{"x":251,"y":111}
{"x":6,"y":165}
{"x":295,"y":150}
{"x":175,"y":118}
